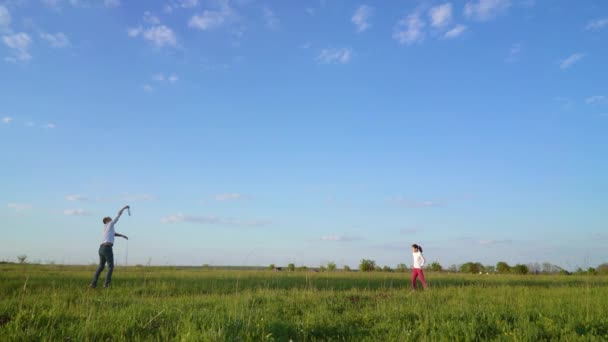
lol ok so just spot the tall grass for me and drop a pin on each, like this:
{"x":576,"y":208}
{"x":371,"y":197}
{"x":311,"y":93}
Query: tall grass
{"x":162,"y":303}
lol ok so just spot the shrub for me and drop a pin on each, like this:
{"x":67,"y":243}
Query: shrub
{"x":520,"y":269}
{"x":471,"y":267}
{"x":291,"y":267}
{"x":271,"y":267}
{"x":331,"y":266}
{"x":367,"y":265}
{"x":602,"y":269}
{"x":435,"y":266}
{"x":346,"y":268}
{"x":502,"y":267}
{"x":387,"y":269}
{"x":22,"y":258}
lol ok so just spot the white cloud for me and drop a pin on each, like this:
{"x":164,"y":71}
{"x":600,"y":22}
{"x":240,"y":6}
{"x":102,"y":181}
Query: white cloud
{"x":230,"y":196}
{"x":485,"y":9}
{"x":50,"y":125}
{"x":362,"y":17}
{"x":19,"y":43}
{"x":111,"y":3}
{"x":340,"y":238}
{"x":597,"y":24}
{"x":211,"y":19}
{"x":409,"y":30}
{"x":151,"y":19}
{"x":310,"y":11}
{"x":455,"y":32}
{"x":139,"y":198}
{"x":20,"y":208}
{"x":7,"y":120}
{"x":148,"y":88}
{"x":596,"y":99}
{"x":441,"y":15}
{"x":76,"y":212}
{"x":76,"y":198}
{"x":159,"y":77}
{"x":5,"y":18}
{"x":272,"y":22}
{"x":173,"y":78}
{"x":57,"y":40}
{"x":213,"y":220}
{"x":414,"y":204}
{"x":568,"y":62}
{"x":334,"y":56}
{"x":159,"y":35}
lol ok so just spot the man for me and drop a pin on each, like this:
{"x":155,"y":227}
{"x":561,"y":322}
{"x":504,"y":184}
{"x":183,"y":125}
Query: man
{"x":106,"y":255}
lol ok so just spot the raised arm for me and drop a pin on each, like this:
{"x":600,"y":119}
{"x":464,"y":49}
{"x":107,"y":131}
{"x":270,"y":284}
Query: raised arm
{"x":120,"y":213}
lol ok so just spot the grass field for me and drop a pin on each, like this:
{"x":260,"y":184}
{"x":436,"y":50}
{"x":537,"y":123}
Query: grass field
{"x":193,"y":304}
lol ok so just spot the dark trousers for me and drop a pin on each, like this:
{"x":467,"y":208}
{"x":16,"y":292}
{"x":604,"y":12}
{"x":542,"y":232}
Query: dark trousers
{"x":106,"y":255}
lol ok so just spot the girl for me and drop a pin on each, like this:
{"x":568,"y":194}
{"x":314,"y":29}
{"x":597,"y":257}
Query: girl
{"x":418,"y":264}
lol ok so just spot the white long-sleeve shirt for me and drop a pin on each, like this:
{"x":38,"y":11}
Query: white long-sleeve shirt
{"x":109,"y":232}
{"x":418,"y":260}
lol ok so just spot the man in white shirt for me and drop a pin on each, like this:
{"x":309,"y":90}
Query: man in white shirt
{"x":106,"y":255}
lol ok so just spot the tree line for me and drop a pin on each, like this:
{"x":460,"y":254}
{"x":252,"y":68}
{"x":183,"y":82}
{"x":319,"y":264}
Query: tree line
{"x":502,"y":267}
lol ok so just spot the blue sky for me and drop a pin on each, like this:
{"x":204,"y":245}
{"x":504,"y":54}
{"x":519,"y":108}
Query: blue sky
{"x":255,"y":132}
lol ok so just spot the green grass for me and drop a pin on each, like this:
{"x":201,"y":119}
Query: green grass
{"x":189,"y":304}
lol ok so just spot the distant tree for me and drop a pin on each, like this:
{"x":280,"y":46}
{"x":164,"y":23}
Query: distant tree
{"x":22,"y":258}
{"x":490,"y":269}
{"x":520,"y":269}
{"x":367,"y":265}
{"x":471,"y":267}
{"x":322,"y":268}
{"x":591,"y":271}
{"x":401,"y":268}
{"x":435,"y":266}
{"x":602,"y":269}
{"x":205,"y":266}
{"x":453,"y":268}
{"x":502,"y":267}
{"x":271,"y":267}
{"x":377,"y":269}
{"x":579,"y":271}
{"x":387,"y":269}
{"x":564,"y":272}
{"x":291,"y":267}
{"x":346,"y":268}
{"x":302,"y":268}
{"x":331,"y":266}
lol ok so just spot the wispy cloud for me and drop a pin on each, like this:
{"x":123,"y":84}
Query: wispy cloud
{"x":340,"y":238}
{"x":50,"y":125}
{"x":160,"y":35}
{"x":76,"y":198}
{"x":19,"y":43}
{"x":213,"y":220}
{"x":334,"y":56}
{"x":597,"y":24}
{"x":571,"y":60}
{"x":408,"y":230}
{"x":271,"y":20}
{"x":147,"y":88}
{"x":514,"y":53}
{"x":362,"y":17}
{"x":596,"y":99}
{"x":414,"y":204}
{"x":111,"y":3}
{"x":160,"y":77}
{"x":485,"y":9}
{"x":57,"y":40}
{"x":181,"y":4}
{"x":5,"y":18}
{"x":441,"y":15}
{"x":409,"y":30}
{"x":456,"y":32}
{"x":20,"y":208}
{"x":76,"y":212}
{"x":211,"y":19}
{"x":232,"y":196}
{"x":150,"y":18}
{"x":7,"y":120}
{"x":139,"y":197}
{"x":494,"y":242}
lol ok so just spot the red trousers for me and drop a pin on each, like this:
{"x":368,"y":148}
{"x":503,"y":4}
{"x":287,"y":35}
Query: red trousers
{"x":417,"y":272}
